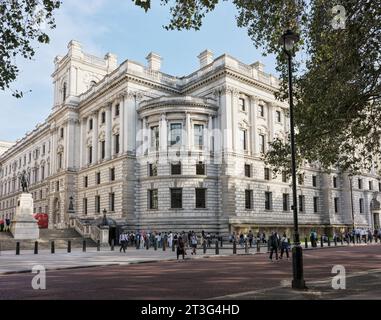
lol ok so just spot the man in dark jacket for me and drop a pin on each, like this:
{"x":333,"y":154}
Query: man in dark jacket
{"x":274,"y":245}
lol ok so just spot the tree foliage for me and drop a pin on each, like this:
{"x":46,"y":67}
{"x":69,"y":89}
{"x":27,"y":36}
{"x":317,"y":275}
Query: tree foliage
{"x":22,"y":25}
{"x":338,"y":83}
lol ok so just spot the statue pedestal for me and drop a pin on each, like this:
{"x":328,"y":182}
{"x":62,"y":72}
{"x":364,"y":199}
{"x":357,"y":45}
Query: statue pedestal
{"x":24,"y":226}
{"x":104,"y":236}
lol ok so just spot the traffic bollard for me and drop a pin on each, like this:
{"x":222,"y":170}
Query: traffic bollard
{"x":246,"y":247}
{"x":258,"y":247}
{"x":234,"y":247}
{"x":204,"y":246}
{"x":217,"y":249}
{"x":84,"y":246}
{"x":155,"y":245}
{"x":164,"y":246}
{"x":305,"y":243}
{"x":52,"y":247}
{"x":98,"y":245}
{"x":112,"y":244}
{"x":335,"y":240}
{"x":36,"y":247}
{"x":17,"y":248}
{"x":321,"y":242}
{"x":329,"y":242}
{"x":69,"y":246}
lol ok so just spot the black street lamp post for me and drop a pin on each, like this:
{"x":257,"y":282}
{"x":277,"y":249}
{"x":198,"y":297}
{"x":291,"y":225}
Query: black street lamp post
{"x":288,"y":41}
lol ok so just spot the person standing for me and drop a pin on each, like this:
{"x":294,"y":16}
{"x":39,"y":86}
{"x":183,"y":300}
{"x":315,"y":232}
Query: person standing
{"x":284,"y":246}
{"x":194,"y":243}
{"x":180,"y":248}
{"x":122,"y":241}
{"x":274,"y":245}
{"x":250,"y":238}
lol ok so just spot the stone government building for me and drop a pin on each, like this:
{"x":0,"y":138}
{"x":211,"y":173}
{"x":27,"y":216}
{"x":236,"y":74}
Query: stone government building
{"x":160,"y":152}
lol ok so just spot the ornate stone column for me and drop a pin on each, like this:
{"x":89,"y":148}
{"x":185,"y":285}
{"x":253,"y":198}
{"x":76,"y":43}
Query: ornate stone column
{"x":95,"y":137}
{"x":253,"y":122}
{"x":189,"y":143}
{"x":122,"y":124}
{"x":163,"y":133}
{"x":108,"y":139}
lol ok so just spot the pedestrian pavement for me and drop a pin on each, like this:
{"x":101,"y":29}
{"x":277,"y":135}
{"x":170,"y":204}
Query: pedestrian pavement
{"x":12,"y":263}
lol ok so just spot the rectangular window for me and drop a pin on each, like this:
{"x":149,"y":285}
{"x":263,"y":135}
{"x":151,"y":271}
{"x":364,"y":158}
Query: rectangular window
{"x":200,"y":198}
{"x":91,"y":124}
{"x":242,"y":106}
{"x":360,"y":183}
{"x":60,"y":160}
{"x":97,"y":204}
{"x":361,"y":203}
{"x":117,"y":110}
{"x":267,"y":174}
{"x":370,"y":185}
{"x":198,"y":136}
{"x":200,"y":168}
{"x":43,"y":150}
{"x":90,"y":155}
{"x":301,"y":203}
{"x":286,"y":202}
{"x":314,"y":181}
{"x":153,"y":202}
{"x":85,"y":206}
{"x":103,"y":149}
{"x":379,"y":186}
{"x":155,"y":138}
{"x":86,"y":181}
{"x":278,"y":116}
{"x":335,"y":182}
{"x":247,"y":170}
{"x":262,"y":148}
{"x":103,"y":117}
{"x":176,"y":198}
{"x":336,"y":202}
{"x":243,"y":138}
{"x":152,"y":169}
{"x":98,"y":177}
{"x":117,"y":144}
{"x":301,"y":179}
{"x":248,"y":199}
{"x":316,"y":204}
{"x":284,"y":176}
{"x":112,"y":202}
{"x":57,"y":186}
{"x":62,"y":132}
{"x":176,"y":168}
{"x":175,"y":134}
{"x":112,"y":174}
{"x":261,"y":111}
{"x":268,"y":200}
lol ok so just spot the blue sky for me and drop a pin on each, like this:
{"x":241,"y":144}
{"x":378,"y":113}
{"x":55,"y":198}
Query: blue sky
{"x":118,"y":26}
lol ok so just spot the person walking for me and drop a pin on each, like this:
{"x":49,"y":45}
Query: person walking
{"x":122,"y":242}
{"x":284,"y":246}
{"x":194,"y":243}
{"x":250,"y":236}
{"x":274,"y":245}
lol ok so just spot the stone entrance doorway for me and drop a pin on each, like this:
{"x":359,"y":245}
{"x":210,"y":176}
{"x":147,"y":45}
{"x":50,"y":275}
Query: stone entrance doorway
{"x":376,"y":220}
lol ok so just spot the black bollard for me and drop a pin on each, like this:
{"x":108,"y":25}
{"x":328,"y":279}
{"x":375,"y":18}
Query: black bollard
{"x":329,"y":242}
{"x":84,"y":246}
{"x":342,"y":241}
{"x":217,"y":249}
{"x":321,"y":242}
{"x":204,"y":246}
{"x":173,"y":246}
{"x":17,"y":248}
{"x":335,"y":240}
{"x":305,"y":243}
{"x":155,"y":245}
{"x":221,"y":240}
{"x":52,"y":248}
{"x":234,"y":247}
{"x":99,"y":245}
{"x":147,"y":244}
{"x":69,"y":246}
{"x":163,"y":245}
{"x":246,"y":247}
{"x":36,"y":247}
{"x":258,"y":247}
{"x":112,"y":244}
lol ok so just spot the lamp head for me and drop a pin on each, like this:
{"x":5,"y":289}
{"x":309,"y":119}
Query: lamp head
{"x":288,"y":40}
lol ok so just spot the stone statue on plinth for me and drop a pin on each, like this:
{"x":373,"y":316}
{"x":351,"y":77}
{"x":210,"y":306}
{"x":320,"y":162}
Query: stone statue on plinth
{"x":24,"y":226}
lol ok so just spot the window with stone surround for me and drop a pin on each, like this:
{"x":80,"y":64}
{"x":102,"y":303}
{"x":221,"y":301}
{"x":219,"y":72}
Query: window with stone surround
{"x":334,"y":182}
{"x":103,"y":117}
{"x":175,"y":133}
{"x":198,"y":130}
{"x":176,"y":168}
{"x":336,"y":204}
{"x":152,"y":169}
{"x":316,"y":204}
{"x":314,"y":181}
{"x":242,"y":105}
{"x":176,"y":198}
{"x":360,"y":183}
{"x":117,"y":110}
{"x":268,"y":200}
{"x":301,"y":203}
{"x":284,"y":176}
{"x":200,"y":168}
{"x":117,"y":145}
{"x":90,"y":155}
{"x":278,"y":116}
{"x":267,"y":173}
{"x":112,"y":202}
{"x":370,"y":185}
{"x":91,"y":124}
{"x":286,"y":202}
{"x":243,"y":139}
{"x":85,"y":206}
{"x":247,"y":170}
{"x":153,"y":199}
{"x":261,"y":111}
{"x":361,"y":205}
{"x":200,"y":198}
{"x":103,"y":149}
{"x":98,"y":177}
{"x":155,"y":135}
{"x":248,"y":199}
{"x":85,"y":181}
{"x":98,"y":204}
{"x":112,"y":174}
{"x":262,"y":146}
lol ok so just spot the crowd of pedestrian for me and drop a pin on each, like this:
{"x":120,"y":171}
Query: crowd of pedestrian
{"x":5,"y":224}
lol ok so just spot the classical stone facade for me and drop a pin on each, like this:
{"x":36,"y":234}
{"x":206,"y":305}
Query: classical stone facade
{"x":160,"y":152}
